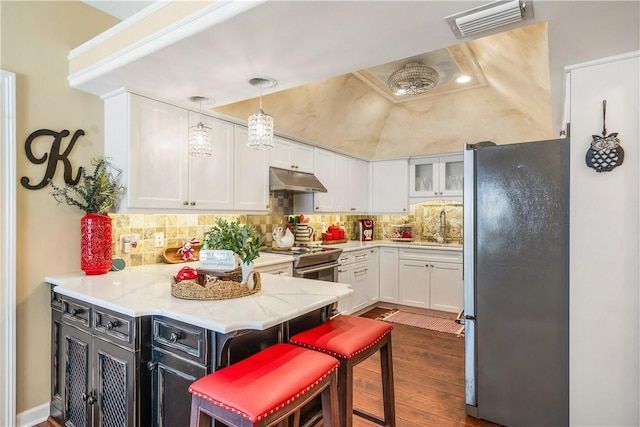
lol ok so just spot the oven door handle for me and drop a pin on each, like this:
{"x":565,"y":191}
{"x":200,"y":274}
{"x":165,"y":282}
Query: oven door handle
{"x":314,"y":268}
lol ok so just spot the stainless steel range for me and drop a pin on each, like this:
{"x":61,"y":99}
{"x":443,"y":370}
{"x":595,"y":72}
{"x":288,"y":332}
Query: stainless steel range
{"x":314,"y":262}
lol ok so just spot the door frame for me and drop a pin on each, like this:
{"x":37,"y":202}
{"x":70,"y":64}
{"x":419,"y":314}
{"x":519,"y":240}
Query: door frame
{"x":7,"y":250}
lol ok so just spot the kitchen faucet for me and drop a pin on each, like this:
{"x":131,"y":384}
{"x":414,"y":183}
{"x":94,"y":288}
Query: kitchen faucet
{"x":443,"y":226}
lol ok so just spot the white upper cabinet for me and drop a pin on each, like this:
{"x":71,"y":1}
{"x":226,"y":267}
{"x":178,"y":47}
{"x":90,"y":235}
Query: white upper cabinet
{"x":211,"y":178}
{"x":346,"y":181}
{"x":291,"y":155}
{"x":251,"y":175}
{"x":359,"y":185}
{"x":325,"y":171}
{"x":435,"y":177}
{"x":389,"y":186}
{"x":148,"y":141}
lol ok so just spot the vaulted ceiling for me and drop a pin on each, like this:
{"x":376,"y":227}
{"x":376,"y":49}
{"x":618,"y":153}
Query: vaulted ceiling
{"x":326,"y":56}
{"x":507,"y":101}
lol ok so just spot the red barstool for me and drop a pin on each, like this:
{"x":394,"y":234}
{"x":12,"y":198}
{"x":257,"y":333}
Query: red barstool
{"x":353,"y":339}
{"x":267,"y":388}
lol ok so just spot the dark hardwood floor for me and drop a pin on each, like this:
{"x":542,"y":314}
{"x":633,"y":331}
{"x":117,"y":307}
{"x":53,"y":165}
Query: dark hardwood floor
{"x":428,"y":370}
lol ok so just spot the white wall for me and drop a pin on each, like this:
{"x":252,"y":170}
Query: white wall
{"x":604,"y":298}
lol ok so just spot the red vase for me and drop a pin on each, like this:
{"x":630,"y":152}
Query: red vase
{"x":95,"y":243}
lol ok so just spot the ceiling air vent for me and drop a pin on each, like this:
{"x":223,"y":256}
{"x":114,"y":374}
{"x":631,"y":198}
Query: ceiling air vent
{"x":489,"y":16}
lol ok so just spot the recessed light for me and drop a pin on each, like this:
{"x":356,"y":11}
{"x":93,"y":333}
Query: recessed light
{"x":463,"y":79}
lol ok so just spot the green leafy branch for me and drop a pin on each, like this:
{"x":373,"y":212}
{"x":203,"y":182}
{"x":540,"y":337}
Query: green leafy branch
{"x":95,"y":193}
{"x":242,"y":239}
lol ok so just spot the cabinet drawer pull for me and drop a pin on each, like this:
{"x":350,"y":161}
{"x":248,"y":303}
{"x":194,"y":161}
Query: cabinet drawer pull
{"x":89,"y":398}
{"x":76,"y":311}
{"x":152,"y":365}
{"x":113,"y":324}
{"x":174,"y":337}
{"x":364,"y":270}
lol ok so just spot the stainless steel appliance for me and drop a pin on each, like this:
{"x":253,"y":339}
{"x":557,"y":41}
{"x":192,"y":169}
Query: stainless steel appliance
{"x":315,"y":262}
{"x":516,"y":282}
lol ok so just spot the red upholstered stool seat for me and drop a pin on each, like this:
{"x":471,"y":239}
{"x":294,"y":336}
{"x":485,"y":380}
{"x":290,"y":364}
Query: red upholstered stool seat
{"x":353,"y":339}
{"x":266,"y":388}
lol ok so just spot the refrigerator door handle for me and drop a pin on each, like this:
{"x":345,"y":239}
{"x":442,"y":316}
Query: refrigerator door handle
{"x":469,"y":250}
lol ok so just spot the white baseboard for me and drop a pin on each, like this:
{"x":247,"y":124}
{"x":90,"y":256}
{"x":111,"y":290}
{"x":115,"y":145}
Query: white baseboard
{"x":33,"y":416}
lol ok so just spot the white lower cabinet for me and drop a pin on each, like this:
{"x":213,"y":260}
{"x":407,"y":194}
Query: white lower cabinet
{"x":373,"y":284}
{"x":446,"y":287}
{"x":414,"y":283}
{"x":426,"y":278}
{"x":357,"y":269}
{"x":388,"y":274}
{"x":281,"y":269}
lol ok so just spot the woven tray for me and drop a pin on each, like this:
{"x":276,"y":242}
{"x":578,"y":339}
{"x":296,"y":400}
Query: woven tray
{"x":214,"y":288}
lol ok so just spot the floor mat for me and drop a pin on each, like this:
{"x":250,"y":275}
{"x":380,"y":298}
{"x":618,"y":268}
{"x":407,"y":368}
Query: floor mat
{"x":434,"y":323}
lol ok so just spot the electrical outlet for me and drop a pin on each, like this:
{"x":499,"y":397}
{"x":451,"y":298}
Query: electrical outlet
{"x":158,"y":238}
{"x":125,"y":243}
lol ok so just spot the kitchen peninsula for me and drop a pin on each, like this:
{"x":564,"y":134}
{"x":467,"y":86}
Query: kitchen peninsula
{"x":120,"y":335}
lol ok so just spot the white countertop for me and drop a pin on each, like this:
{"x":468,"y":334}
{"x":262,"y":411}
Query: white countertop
{"x":146,"y":290}
{"x":353,"y":245}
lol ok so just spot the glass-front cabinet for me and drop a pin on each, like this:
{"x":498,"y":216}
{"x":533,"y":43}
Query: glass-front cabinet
{"x":436,"y":176}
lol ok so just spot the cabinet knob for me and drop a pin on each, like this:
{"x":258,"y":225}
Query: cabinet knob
{"x":76,"y":311}
{"x":89,"y":398}
{"x":293,"y":166}
{"x":353,"y":209}
{"x":152,"y":365}
{"x":404,"y":209}
{"x":193,"y":203}
{"x":317,"y":207}
{"x":174,"y":337}
{"x":186,"y":203}
{"x":112,"y":324}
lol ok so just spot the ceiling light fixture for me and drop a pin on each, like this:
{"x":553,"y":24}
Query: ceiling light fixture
{"x":413,"y":79}
{"x":200,"y":136}
{"x":260,"y":124}
{"x":463,"y":79}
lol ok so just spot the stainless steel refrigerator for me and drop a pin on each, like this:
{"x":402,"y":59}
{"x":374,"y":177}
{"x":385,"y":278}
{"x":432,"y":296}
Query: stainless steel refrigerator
{"x":516,"y":282}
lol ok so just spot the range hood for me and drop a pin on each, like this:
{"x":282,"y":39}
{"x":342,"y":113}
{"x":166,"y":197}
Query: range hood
{"x":298,"y":182}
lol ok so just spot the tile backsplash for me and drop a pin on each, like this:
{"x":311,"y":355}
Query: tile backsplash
{"x":178,"y":228}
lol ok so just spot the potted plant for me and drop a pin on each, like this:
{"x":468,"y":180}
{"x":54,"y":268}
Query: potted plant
{"x":95,"y":194}
{"x":241,"y":239}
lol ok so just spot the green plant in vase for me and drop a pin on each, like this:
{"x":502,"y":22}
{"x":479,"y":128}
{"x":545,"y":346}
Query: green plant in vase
{"x":242,"y":239}
{"x":95,"y":194}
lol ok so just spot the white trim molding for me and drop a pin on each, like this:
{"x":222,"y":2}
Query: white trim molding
{"x":7,"y":251}
{"x":33,"y":416}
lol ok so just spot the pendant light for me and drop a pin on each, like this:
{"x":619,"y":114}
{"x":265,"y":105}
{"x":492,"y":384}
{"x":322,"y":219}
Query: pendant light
{"x":200,"y":136}
{"x":260,"y":124}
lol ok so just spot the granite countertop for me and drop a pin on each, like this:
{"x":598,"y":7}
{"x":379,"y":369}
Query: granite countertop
{"x":146,"y":290}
